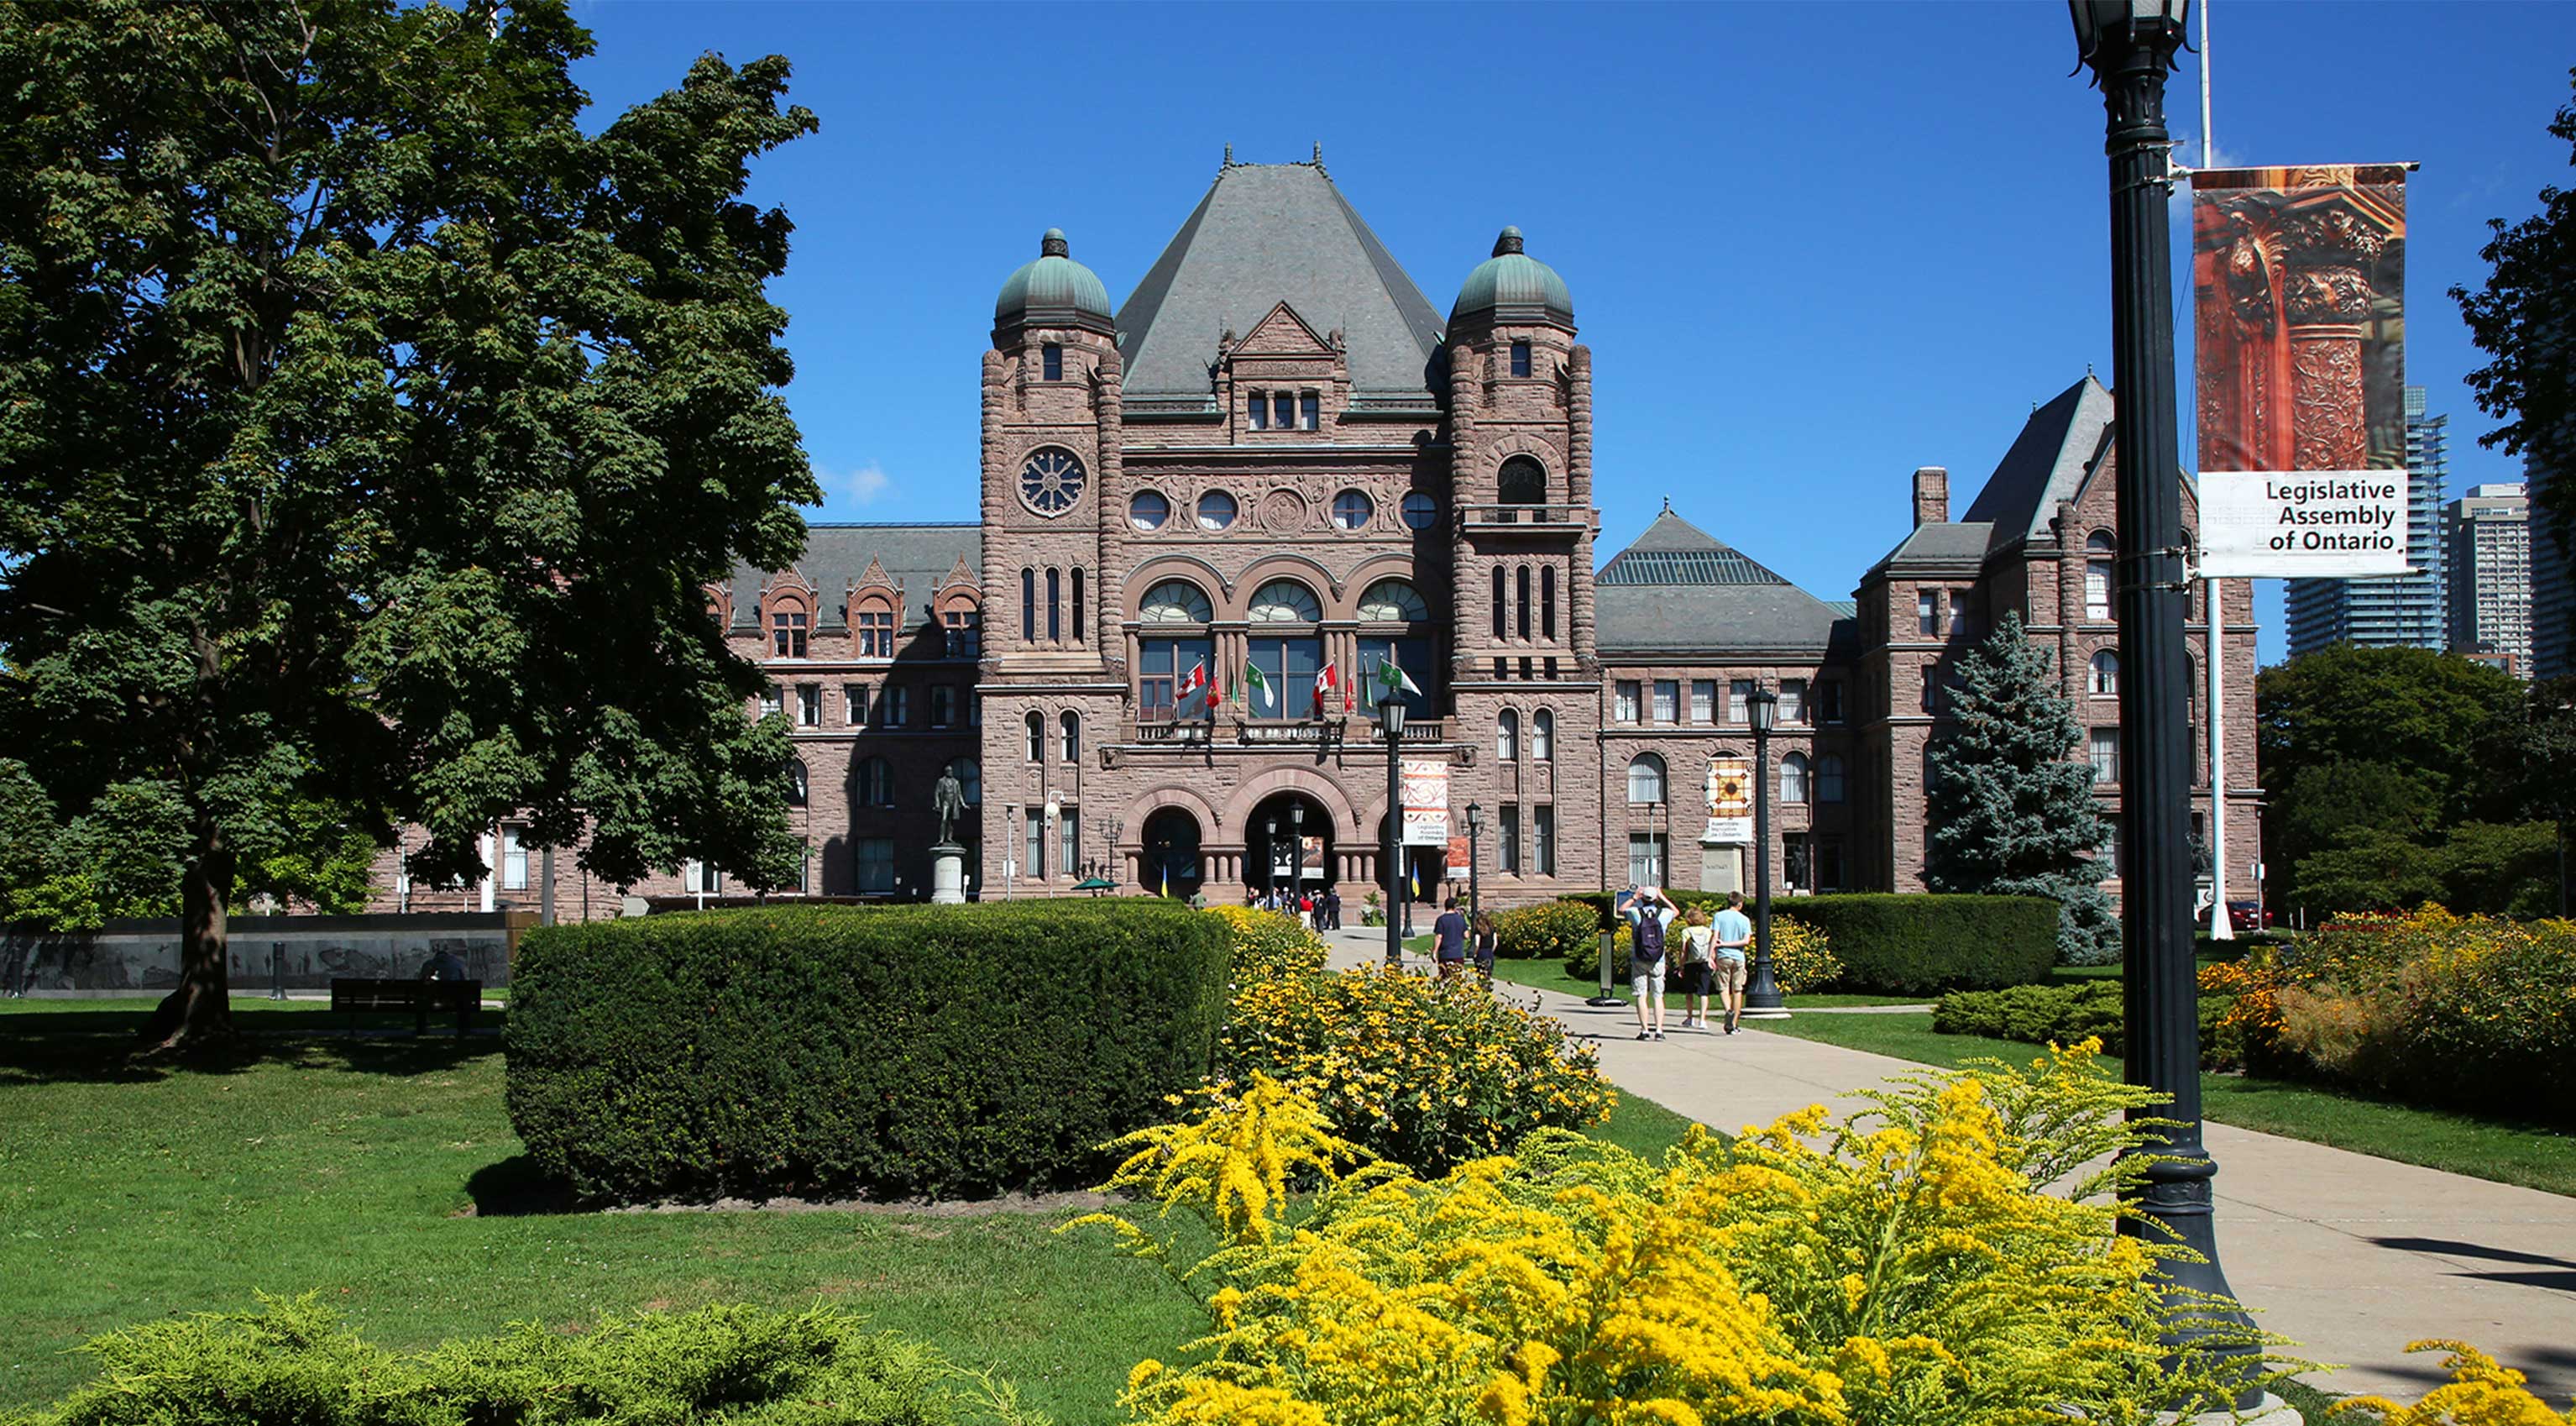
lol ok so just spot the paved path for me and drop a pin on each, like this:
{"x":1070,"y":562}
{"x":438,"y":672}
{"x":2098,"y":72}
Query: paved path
{"x":2350,"y":1256}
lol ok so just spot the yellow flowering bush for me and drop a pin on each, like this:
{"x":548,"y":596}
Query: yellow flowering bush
{"x":2480,"y":1393}
{"x":1945,"y":1257}
{"x":1269,"y":943}
{"x":1426,"y":1073}
{"x":1802,"y":957}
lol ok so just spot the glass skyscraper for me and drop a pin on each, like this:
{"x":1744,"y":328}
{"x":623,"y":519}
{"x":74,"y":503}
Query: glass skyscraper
{"x":2400,"y":609}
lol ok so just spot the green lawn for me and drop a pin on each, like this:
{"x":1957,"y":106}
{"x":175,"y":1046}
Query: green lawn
{"x":1550,"y":975}
{"x":383,"y":1172}
{"x":2530,"y":1155}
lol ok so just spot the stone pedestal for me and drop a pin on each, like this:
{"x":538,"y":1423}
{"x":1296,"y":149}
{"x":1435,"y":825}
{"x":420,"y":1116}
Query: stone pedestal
{"x":948,"y":875}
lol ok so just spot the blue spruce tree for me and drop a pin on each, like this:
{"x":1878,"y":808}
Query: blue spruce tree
{"x":2011,"y":815}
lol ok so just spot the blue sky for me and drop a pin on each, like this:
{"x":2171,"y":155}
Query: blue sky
{"x":1812,"y":246}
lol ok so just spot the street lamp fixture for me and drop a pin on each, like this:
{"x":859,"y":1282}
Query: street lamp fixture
{"x":1762,"y":999}
{"x":2130,"y":45}
{"x":1390,"y":721}
{"x":1475,"y":830}
{"x":1297,"y":849}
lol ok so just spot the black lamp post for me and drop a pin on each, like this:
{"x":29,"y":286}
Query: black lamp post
{"x":1297,"y":849}
{"x":1762,"y":994}
{"x":1390,"y":721}
{"x":1270,"y":837}
{"x":2130,"y":44}
{"x":1475,"y":830}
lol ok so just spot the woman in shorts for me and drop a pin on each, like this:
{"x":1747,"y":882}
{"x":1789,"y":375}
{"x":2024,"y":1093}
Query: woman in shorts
{"x":1698,"y":976}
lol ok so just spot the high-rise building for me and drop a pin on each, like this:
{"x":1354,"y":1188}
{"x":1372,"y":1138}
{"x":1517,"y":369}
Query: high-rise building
{"x":2488,"y":535}
{"x":2401,"y":609}
{"x":2553,"y":580}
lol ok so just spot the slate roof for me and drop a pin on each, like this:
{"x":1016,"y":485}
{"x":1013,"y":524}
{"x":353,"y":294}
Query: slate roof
{"x":916,"y":557}
{"x":2057,"y":448}
{"x":1679,"y":589}
{"x":1267,"y":233}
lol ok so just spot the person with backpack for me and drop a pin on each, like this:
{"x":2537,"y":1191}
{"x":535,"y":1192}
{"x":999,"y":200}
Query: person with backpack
{"x":1734,"y":939}
{"x":1651,"y":910}
{"x":1697,"y":972}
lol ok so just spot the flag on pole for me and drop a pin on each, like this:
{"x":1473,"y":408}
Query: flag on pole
{"x":1217,"y":695}
{"x":1166,"y":888}
{"x":1348,"y":694}
{"x":1193,"y":685}
{"x":1327,"y":679}
{"x":1415,"y":872}
{"x":1391,"y":679}
{"x":1254,"y":682}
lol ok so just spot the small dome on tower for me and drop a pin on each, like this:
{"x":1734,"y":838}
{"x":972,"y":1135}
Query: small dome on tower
{"x":1513,"y":286}
{"x":1054,"y":290}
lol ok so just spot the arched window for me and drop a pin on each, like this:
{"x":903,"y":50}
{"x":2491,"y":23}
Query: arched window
{"x":1543,"y":736}
{"x":1037,"y":737}
{"x":876,"y":782}
{"x":1645,"y":778}
{"x":1392,"y":601}
{"x":1507,"y":737}
{"x":970,"y":780}
{"x":1829,"y":778}
{"x":1077,"y":606}
{"x":1175,"y":601}
{"x":2106,"y":674}
{"x":1284,"y":601}
{"x":797,"y":782}
{"x":2098,"y":549}
{"x":1793,"y":780}
{"x":1055,"y":605}
{"x":1522,"y":481}
{"x":1071,"y":726}
{"x":1502,"y":604}
{"x":1547,"y":601}
{"x":1524,"y":602}
{"x":1028,"y":606}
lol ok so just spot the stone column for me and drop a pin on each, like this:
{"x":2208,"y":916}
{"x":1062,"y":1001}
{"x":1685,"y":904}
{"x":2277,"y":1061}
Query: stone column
{"x":2330,"y":246}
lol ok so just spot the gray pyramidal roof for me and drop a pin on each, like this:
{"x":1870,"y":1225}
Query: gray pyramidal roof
{"x":1677,"y":587}
{"x":916,"y":557}
{"x":1264,"y":234}
{"x":2049,"y":461}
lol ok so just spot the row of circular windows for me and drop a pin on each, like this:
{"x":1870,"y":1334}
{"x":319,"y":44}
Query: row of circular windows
{"x":1150,"y":510}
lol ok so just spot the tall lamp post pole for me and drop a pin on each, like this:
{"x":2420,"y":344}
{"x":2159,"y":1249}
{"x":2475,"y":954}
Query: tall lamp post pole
{"x":1762,"y":999}
{"x":2130,"y":45}
{"x":1390,"y":721}
{"x":1475,"y":832}
{"x":1297,"y":850}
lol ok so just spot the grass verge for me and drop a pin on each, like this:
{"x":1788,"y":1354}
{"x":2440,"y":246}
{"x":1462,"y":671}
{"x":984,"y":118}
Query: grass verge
{"x":2532,"y":1156}
{"x":381,"y":1170}
{"x":1551,"y":975}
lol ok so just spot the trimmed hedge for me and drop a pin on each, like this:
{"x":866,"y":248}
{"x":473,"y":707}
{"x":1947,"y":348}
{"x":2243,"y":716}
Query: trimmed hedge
{"x":1551,"y":930}
{"x":939,"y":1050}
{"x":1918,"y":944}
{"x":2070,"y":1014}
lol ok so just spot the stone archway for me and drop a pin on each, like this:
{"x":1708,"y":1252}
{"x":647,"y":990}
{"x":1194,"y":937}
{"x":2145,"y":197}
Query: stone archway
{"x":1169,"y":863}
{"x":1283,"y":852}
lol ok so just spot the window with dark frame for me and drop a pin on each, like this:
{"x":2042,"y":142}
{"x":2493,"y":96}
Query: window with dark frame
{"x":854,"y":704}
{"x":875,"y":633}
{"x":809,"y":705}
{"x":1502,"y":605}
{"x":1077,"y":605}
{"x":1052,"y":357}
{"x":943,"y":705}
{"x":1547,"y":601}
{"x":1520,"y":358}
{"x":1055,"y":606}
{"x":1256,"y":408}
{"x":1310,"y":411}
{"x":1028,"y":606}
{"x":787,"y":633}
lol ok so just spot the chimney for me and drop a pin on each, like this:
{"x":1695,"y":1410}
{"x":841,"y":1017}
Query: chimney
{"x":1931,"y":495}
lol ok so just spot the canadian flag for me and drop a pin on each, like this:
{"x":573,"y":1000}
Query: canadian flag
{"x":1327,"y":679}
{"x":1195,"y":684}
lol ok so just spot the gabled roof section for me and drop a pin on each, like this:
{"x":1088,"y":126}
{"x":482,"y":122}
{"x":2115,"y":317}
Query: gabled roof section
{"x":915,"y":557}
{"x":1266,"y":234}
{"x":2057,"y":448}
{"x":1678,"y":588}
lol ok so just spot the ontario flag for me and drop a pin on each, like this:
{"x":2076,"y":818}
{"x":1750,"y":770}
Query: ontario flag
{"x":1192,"y":686}
{"x":1327,"y":679}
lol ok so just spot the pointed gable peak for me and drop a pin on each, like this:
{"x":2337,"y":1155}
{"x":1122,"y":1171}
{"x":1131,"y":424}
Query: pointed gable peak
{"x":1675,"y":551}
{"x":1284,"y":333}
{"x":2048,"y":462}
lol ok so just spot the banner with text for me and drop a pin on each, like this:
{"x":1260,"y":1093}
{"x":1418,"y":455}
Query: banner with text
{"x":1425,"y":785}
{"x":1730,"y":800}
{"x":2299,"y":336}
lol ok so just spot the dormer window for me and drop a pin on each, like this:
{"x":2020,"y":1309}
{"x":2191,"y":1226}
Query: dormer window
{"x":1284,"y":410}
{"x":1051,"y":356}
{"x":1520,"y":359}
{"x":1258,"y":408}
{"x":787,"y":633}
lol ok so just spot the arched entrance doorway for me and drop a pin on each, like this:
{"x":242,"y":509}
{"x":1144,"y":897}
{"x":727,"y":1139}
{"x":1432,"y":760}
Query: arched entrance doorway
{"x":1170,"y":863}
{"x":1288,"y":844}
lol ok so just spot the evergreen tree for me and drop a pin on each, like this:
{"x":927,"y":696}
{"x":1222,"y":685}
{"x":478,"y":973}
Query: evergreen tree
{"x":2011,"y":814}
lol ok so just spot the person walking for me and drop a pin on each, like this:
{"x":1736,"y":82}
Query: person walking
{"x":1305,"y":911}
{"x":1697,"y":972}
{"x":1485,"y":945}
{"x":1332,"y":908}
{"x":1733,"y":934}
{"x":1449,"y":942}
{"x":1651,"y":911}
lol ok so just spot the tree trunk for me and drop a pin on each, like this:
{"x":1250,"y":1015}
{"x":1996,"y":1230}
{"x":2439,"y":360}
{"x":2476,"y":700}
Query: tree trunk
{"x":199,"y":1012}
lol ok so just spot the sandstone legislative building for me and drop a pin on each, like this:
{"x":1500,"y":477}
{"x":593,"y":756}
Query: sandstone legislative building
{"x":1212,"y":513}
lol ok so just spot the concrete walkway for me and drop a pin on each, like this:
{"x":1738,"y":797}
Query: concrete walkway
{"x":2350,"y":1256}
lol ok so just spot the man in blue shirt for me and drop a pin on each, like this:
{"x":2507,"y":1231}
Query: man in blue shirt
{"x":1449,"y":941}
{"x":1734,"y":943}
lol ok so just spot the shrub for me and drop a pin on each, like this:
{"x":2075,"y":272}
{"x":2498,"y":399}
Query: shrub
{"x":1422,"y":1072}
{"x":815,"y":1050}
{"x":1802,"y":958}
{"x":2066,"y":1014}
{"x":1909,"y":1267}
{"x":1550,"y":930}
{"x":294,"y":1362}
{"x":1268,"y":943}
{"x":1924,"y":944}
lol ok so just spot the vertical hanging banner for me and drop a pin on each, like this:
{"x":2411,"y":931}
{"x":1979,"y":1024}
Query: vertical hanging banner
{"x":1425,"y":784}
{"x":1730,"y":800}
{"x":2299,"y":338}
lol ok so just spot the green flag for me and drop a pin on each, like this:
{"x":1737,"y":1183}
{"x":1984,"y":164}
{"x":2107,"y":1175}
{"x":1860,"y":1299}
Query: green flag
{"x":1390,"y":679}
{"x":1253,"y":682}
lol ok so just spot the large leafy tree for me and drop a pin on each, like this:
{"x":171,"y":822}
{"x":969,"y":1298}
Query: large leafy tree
{"x":2525,"y":318}
{"x":2379,"y":740}
{"x":2010,"y":814}
{"x":369,"y":434}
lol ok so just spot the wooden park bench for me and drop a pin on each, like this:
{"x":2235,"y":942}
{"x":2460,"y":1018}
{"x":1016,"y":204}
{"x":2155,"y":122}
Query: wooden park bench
{"x":355,"y":997}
